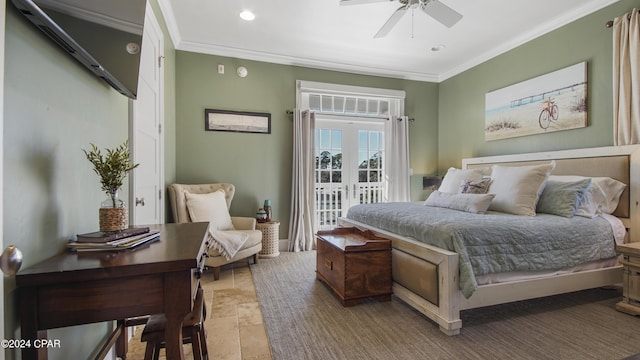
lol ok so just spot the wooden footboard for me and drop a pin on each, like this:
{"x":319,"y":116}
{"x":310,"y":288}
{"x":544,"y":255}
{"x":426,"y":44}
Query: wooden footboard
{"x":424,"y":276}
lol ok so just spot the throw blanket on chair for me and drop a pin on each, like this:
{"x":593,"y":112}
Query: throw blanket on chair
{"x":227,"y":242}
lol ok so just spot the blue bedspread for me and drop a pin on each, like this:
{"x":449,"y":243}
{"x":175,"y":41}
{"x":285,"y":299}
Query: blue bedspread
{"x":494,"y":242}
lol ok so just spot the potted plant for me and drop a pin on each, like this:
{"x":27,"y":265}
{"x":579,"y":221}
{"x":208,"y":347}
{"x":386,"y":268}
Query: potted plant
{"x":112,"y":167}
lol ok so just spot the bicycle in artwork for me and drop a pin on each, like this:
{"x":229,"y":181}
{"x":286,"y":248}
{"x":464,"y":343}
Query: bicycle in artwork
{"x":549,"y":113}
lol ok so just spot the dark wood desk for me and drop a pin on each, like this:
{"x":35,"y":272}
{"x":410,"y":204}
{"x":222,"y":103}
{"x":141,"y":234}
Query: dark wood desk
{"x":73,"y":289}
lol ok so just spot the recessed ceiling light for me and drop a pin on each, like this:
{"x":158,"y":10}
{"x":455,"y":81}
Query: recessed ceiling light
{"x":438,"y":47}
{"x":247,"y":15}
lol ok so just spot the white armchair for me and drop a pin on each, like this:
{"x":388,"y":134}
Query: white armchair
{"x":252,"y":245}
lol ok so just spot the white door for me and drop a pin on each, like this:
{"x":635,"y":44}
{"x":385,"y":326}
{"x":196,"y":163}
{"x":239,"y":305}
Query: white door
{"x":147,"y":180}
{"x":349,"y":166}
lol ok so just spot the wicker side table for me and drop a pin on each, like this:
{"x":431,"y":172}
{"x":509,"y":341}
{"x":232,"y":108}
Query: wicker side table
{"x":270,"y":238}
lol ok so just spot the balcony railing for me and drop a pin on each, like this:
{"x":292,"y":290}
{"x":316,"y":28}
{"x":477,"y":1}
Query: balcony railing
{"x":331,"y":200}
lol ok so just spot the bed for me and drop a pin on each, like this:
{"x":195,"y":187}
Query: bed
{"x":428,"y":277}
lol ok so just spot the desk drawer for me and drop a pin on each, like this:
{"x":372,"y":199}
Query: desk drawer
{"x":118,"y":298}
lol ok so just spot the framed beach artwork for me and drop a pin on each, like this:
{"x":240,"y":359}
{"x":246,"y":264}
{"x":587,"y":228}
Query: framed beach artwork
{"x":551,"y":102}
{"x":237,"y":121}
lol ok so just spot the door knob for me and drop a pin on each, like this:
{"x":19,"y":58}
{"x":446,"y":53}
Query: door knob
{"x":11,"y":260}
{"x":140,"y":201}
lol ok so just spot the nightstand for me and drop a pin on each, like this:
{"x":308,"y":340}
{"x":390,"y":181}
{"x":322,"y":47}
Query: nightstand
{"x":630,"y":303}
{"x":270,"y":238}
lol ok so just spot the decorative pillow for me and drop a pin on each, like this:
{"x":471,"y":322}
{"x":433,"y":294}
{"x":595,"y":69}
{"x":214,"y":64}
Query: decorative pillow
{"x":473,"y":203}
{"x":211,"y":207}
{"x":562,"y":198}
{"x":518,"y":188}
{"x":475,"y":187}
{"x":602,"y":195}
{"x":454,"y":177}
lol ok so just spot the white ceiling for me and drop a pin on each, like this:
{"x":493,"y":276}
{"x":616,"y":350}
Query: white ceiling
{"x":322,"y":34}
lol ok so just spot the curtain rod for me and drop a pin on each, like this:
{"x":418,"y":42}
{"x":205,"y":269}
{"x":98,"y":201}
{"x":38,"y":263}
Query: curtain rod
{"x":290,"y":112}
{"x":610,"y":22}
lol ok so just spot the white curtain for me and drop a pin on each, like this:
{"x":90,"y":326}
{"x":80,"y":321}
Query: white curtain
{"x":301,"y":223}
{"x":626,"y":78}
{"x":397,"y":162}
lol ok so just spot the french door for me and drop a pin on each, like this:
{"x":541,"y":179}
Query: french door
{"x":349,"y":166}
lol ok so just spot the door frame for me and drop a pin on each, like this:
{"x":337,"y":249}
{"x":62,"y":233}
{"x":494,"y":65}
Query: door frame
{"x":395,"y":99}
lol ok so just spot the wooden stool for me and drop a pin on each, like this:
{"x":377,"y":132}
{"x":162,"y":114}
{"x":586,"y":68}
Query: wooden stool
{"x":192,"y":331}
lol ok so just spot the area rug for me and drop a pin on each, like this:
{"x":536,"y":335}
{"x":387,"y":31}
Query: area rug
{"x":305,"y":320}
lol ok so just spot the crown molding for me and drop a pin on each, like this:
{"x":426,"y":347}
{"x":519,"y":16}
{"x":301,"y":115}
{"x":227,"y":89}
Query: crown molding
{"x":211,"y":49}
{"x":303,"y":62}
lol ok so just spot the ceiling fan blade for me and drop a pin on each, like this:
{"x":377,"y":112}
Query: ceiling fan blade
{"x":393,"y":20}
{"x":442,"y":13}
{"x":359,"y":2}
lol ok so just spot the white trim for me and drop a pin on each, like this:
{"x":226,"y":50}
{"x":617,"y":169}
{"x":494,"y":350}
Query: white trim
{"x":170,"y":21}
{"x":562,"y":154}
{"x":327,"y":88}
{"x":351,"y":118}
{"x":210,"y":49}
{"x":304,"y":88}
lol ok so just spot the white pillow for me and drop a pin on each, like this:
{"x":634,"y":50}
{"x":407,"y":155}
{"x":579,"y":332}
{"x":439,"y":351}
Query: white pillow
{"x":602,"y":196}
{"x":518,"y":188}
{"x":474,"y":203}
{"x":211,"y":207}
{"x":612,"y":190}
{"x":454,"y":177}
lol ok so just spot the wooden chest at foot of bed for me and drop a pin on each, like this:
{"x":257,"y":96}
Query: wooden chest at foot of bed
{"x":354,"y":264}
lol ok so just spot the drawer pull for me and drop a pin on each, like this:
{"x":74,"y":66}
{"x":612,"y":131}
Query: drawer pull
{"x":328,"y":263}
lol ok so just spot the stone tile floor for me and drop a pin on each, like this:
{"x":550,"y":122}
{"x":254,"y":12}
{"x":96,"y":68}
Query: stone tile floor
{"x":235,"y":328}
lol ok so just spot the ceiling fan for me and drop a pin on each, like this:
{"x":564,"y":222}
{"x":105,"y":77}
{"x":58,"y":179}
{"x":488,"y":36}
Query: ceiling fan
{"x":434,"y":8}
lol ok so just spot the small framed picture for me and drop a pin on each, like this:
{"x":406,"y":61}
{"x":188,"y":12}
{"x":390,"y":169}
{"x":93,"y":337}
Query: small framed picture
{"x":237,"y":121}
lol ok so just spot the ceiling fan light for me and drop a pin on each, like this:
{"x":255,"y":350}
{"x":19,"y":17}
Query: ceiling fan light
{"x":247,"y":15}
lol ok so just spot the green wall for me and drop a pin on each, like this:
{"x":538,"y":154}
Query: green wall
{"x":259,"y":165}
{"x":54,"y":108}
{"x":461,"y":102}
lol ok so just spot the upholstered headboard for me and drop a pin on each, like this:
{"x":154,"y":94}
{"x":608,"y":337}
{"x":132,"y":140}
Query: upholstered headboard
{"x":178,"y":202}
{"x":618,"y":162}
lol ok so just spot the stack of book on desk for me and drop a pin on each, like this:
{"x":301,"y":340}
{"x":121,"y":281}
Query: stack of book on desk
{"x":113,"y":240}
